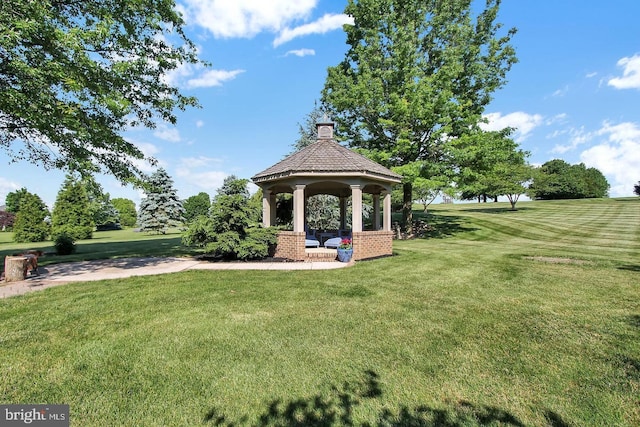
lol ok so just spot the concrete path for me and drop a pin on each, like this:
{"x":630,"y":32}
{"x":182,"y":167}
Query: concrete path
{"x":86,"y":271}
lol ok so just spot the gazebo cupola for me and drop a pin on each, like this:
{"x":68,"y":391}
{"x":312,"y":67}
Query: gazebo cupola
{"x":326,"y":167}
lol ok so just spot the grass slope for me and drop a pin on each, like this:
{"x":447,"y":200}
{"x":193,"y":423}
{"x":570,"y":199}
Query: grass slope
{"x":499,"y":318}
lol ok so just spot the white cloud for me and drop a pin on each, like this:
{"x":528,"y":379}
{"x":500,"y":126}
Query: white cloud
{"x":524,"y":123}
{"x":6,"y":187}
{"x":213,"y":78}
{"x":328,"y":22}
{"x":630,"y":76}
{"x":618,"y":158}
{"x":167,"y":133}
{"x":591,"y":75}
{"x":560,"y":92}
{"x":199,"y":123}
{"x":204,"y":180}
{"x":576,"y":137}
{"x":301,"y":52}
{"x":190,"y":76}
{"x":245,"y":18}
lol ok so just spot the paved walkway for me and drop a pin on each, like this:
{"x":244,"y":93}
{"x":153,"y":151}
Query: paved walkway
{"x":85,"y":271}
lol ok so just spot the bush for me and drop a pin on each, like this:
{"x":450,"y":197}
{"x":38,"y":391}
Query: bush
{"x":64,"y":244}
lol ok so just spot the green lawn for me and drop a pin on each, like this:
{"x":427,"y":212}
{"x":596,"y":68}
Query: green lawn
{"x":498,"y":318}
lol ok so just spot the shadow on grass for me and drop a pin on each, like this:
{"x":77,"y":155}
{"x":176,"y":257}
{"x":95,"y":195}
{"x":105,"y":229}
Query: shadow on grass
{"x":498,"y":210}
{"x":446,"y":226}
{"x":630,"y":267}
{"x":336,"y":408}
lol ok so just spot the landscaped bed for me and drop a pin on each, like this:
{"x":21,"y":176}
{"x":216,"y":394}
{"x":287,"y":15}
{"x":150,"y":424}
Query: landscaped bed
{"x":478,"y":324}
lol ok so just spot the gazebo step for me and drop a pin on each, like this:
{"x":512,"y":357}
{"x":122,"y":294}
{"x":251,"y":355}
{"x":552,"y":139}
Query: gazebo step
{"x":320,"y":255}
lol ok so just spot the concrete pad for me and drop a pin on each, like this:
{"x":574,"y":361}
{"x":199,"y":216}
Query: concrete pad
{"x":86,"y":271}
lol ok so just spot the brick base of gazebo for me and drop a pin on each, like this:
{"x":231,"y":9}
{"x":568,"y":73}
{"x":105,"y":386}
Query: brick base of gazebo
{"x":366,"y":245}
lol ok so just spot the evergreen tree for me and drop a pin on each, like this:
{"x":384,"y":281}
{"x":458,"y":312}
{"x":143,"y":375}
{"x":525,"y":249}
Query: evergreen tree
{"x":161,"y":208}
{"x":12,"y":201}
{"x":72,"y":214}
{"x":196,"y":206}
{"x":30,"y":224}
{"x":126,"y":211}
{"x":231,"y":230}
{"x":104,"y":214}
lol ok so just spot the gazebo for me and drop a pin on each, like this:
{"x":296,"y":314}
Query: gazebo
{"x":326,"y":167}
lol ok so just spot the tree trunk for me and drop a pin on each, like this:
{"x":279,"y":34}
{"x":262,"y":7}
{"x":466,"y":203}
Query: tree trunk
{"x":15,"y":268}
{"x":407,"y":204}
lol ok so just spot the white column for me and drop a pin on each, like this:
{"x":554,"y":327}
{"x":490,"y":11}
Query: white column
{"x":376,"y":212}
{"x":266,"y":208}
{"x":298,"y":208}
{"x":356,"y":207}
{"x":386,"y":212}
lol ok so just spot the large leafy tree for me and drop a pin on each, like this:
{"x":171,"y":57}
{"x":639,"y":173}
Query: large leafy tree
{"x":75,"y":74}
{"x":161,"y":208}
{"x":30,"y":224}
{"x":196,"y":206}
{"x":636,"y":189}
{"x":72,"y":215}
{"x":126,"y":211}
{"x":416,"y":75}
{"x":557,"y":179}
{"x":485,"y":161}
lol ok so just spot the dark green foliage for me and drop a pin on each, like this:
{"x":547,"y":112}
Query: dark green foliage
{"x":490,"y":164}
{"x":105,"y":215}
{"x":72,"y":213}
{"x":12,"y":201}
{"x":196,"y":206}
{"x":232,"y":229}
{"x":161,"y":208}
{"x":77,"y":73}
{"x":126,"y":211}
{"x":6,"y":220}
{"x":30,"y":225}
{"x":556,"y":179}
{"x":636,"y":189}
{"x":416,"y":74}
{"x":64,"y":244}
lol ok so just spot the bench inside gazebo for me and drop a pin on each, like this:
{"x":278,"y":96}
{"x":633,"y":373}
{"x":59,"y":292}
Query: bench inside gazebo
{"x":326,"y":167}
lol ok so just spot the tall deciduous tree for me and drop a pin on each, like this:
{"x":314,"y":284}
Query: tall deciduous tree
{"x":636,"y":189}
{"x":72,"y":215}
{"x":161,"y":208}
{"x":417,"y":74}
{"x":126,"y":211}
{"x":196,"y":206}
{"x":30,"y":224}
{"x":75,"y":74}
{"x":557,"y":179}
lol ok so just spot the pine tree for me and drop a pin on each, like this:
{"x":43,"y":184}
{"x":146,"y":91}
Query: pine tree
{"x":161,"y":208}
{"x":72,"y":213}
{"x":30,"y":225}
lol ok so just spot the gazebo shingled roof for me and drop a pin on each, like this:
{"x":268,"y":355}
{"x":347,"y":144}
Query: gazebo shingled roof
{"x":326,"y":156}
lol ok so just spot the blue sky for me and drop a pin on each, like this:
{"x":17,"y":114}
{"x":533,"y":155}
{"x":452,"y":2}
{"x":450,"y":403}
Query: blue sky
{"x":574,"y":94}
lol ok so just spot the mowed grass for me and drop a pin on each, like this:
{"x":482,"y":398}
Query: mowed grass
{"x":497,"y":318}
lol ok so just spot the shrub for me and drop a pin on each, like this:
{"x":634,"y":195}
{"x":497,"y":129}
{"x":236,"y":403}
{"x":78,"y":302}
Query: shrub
{"x":64,"y":244}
